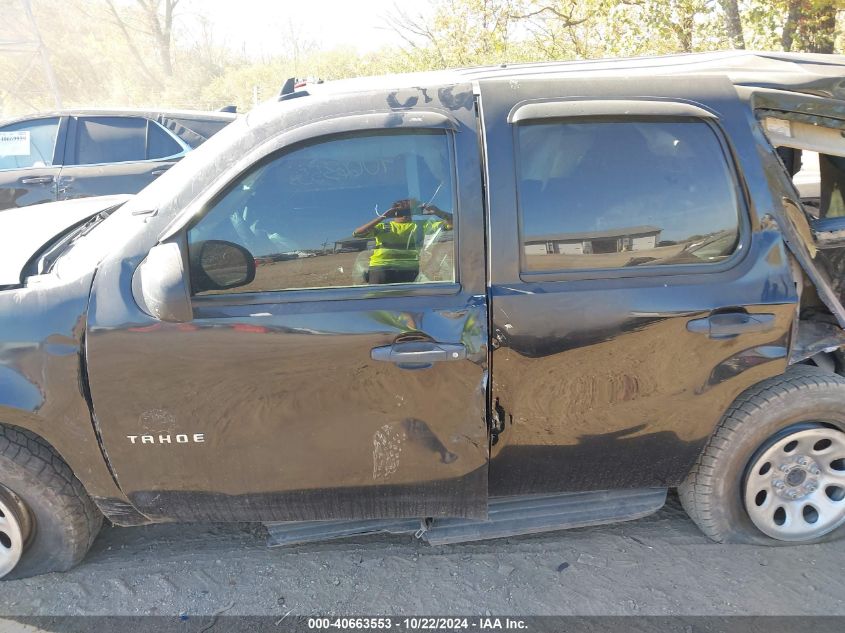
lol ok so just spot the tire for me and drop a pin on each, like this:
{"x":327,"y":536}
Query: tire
{"x":52,"y":517}
{"x":756,"y":431}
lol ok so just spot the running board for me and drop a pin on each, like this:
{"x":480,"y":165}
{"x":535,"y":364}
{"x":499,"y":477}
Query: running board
{"x":507,"y":516}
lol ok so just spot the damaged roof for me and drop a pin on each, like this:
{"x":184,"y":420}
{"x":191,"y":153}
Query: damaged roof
{"x":816,"y":74}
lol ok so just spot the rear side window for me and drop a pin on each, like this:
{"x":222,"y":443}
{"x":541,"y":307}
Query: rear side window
{"x":159,"y":143}
{"x":616,"y":194}
{"x":110,"y":140}
{"x":28,"y":144}
{"x":121,"y":139}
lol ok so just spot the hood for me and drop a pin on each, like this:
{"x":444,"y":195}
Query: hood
{"x":27,"y":230}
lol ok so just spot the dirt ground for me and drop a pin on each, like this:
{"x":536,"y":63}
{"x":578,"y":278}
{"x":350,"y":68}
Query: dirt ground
{"x":660,"y":565}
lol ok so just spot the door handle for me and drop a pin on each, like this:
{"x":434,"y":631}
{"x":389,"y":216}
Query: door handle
{"x":731,"y":324}
{"x":418,"y":354}
{"x":36,"y":180}
{"x":158,"y":172}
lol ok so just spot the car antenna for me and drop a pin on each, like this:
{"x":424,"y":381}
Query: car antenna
{"x":289,"y":89}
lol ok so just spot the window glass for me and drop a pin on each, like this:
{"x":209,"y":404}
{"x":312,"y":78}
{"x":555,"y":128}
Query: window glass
{"x":108,"y":139}
{"x":159,"y":143}
{"x":28,"y":144}
{"x":618,"y":194}
{"x":350,"y":211}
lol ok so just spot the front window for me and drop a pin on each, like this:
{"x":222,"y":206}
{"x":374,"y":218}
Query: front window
{"x":28,"y":144}
{"x":353,"y":210}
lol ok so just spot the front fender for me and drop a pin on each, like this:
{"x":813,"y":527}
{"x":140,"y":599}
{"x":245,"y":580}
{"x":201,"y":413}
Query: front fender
{"x":43,"y":382}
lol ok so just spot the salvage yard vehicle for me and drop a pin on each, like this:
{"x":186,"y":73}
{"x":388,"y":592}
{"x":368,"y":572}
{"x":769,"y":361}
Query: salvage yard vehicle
{"x":95,"y":152}
{"x":466,"y":304}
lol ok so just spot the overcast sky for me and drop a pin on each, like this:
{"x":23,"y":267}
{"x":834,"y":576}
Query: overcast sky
{"x":260,"y":27}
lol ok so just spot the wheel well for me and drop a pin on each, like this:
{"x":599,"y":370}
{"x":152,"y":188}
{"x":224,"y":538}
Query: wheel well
{"x":34,"y":437}
{"x":117,"y":510}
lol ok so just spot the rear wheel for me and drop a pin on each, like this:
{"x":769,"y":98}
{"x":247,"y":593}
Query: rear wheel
{"x":795,"y":486}
{"x":47,"y":520}
{"x":774,"y":470}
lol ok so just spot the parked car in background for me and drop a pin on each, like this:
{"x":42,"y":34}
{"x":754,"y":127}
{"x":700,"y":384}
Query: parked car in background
{"x":80,"y":153}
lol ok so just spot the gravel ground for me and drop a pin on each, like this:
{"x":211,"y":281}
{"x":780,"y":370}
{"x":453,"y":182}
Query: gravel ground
{"x":660,"y":565}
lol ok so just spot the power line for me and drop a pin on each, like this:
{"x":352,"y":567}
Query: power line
{"x":31,"y":42}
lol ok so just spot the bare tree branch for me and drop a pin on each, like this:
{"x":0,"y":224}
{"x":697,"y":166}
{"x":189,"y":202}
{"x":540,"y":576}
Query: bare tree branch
{"x":131,"y":43}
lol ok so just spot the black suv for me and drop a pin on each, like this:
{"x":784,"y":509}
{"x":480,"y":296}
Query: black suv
{"x":80,"y":153}
{"x":467,"y":304}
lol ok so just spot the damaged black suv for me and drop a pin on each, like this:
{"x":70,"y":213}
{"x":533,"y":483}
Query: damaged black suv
{"x":463,"y":304}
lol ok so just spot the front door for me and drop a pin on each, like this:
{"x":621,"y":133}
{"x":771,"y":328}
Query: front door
{"x":346,"y":379}
{"x":30,"y":161}
{"x":635,"y":291}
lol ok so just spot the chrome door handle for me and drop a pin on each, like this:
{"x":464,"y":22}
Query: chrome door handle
{"x":418,"y":354}
{"x":36,"y":180}
{"x":731,"y":324}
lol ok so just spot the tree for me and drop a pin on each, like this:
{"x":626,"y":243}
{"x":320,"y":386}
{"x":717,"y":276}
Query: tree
{"x":139,"y":59}
{"x":809,"y":25}
{"x":733,"y":23}
{"x":459,"y":32}
{"x":159,"y":18}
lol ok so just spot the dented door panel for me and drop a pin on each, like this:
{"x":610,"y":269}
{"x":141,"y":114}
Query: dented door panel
{"x":615,"y":391}
{"x":607,"y":379}
{"x":284,"y":416}
{"x":270,"y":406}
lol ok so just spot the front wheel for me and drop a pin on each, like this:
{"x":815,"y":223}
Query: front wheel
{"x":774,"y":470}
{"x":47,"y":520}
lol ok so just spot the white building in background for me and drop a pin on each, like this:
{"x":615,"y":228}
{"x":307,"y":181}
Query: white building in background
{"x":635,"y":238}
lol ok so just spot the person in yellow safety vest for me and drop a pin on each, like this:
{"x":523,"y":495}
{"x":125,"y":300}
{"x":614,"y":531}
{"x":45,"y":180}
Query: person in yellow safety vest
{"x":396,"y":257}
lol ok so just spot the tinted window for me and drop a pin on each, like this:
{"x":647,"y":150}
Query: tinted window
{"x":618,"y":194}
{"x":110,"y":140}
{"x":28,"y":144}
{"x":159,"y":143}
{"x":314,"y":217}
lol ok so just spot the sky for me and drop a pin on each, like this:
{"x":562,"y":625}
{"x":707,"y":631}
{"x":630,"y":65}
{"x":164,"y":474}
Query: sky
{"x":260,"y":27}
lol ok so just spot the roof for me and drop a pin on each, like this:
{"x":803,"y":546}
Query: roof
{"x":591,"y":235}
{"x":808,"y":72}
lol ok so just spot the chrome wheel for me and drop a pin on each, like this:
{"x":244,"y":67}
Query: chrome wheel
{"x":11,"y":534}
{"x":795,"y":488}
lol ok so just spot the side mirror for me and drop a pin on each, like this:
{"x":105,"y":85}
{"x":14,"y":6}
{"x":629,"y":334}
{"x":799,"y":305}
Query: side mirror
{"x":220,"y":265}
{"x":160,"y":285}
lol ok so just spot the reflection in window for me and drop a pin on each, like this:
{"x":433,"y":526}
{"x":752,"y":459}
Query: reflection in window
{"x":353,"y":210}
{"x":618,"y":194}
{"x":28,"y":144}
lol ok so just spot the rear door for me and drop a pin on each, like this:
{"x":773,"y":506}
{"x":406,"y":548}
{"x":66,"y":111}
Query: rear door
{"x":635,"y":291}
{"x":30,"y":159}
{"x":115,"y":154}
{"x":314,"y":392}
